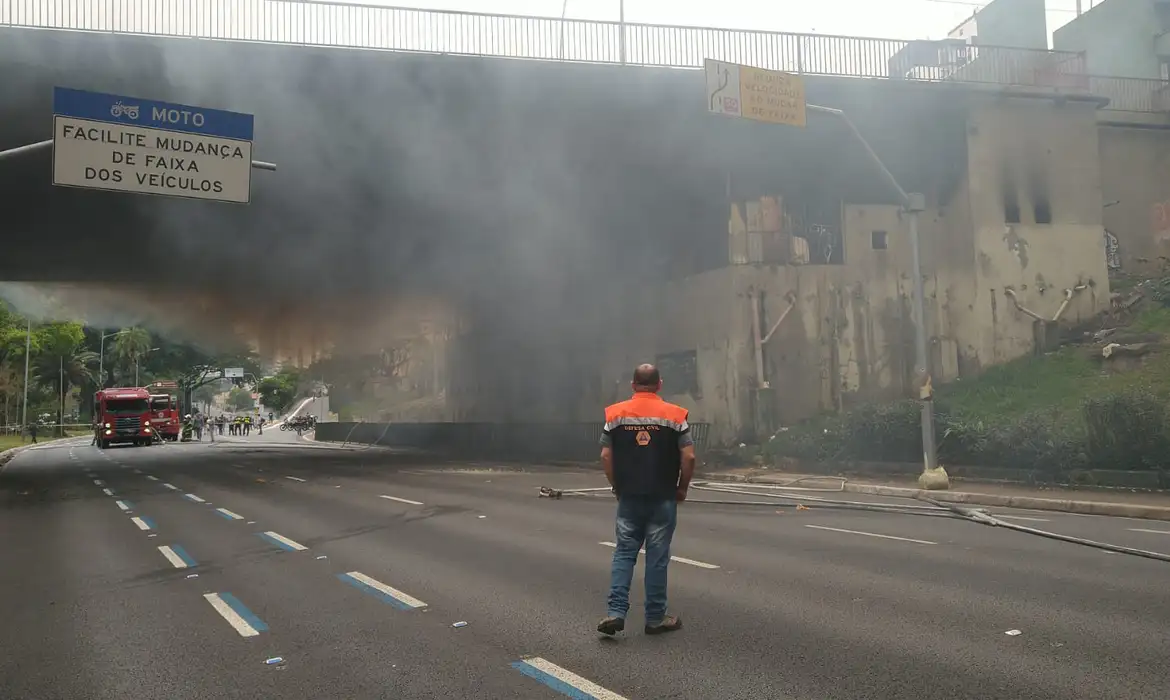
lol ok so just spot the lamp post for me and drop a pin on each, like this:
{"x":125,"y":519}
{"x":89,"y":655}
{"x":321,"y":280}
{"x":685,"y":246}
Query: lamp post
{"x":102,"y":357}
{"x":27,"y":352}
{"x":913,"y":204}
{"x":136,"y":358}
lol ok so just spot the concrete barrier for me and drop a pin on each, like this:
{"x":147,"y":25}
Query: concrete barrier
{"x":511,"y":441}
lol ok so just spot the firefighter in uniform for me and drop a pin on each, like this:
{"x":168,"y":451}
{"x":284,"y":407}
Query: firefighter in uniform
{"x":649,"y":459}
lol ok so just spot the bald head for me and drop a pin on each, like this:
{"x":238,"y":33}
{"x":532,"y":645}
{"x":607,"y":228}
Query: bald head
{"x":646,"y":378}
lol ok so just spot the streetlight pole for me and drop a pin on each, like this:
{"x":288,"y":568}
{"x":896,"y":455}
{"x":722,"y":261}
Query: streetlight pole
{"x":914,"y":204}
{"x":102,"y":358}
{"x":136,"y":359}
{"x":27,"y":352}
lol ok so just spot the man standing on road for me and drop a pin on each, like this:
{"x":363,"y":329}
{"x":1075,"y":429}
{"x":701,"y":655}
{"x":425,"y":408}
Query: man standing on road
{"x":649,"y":459}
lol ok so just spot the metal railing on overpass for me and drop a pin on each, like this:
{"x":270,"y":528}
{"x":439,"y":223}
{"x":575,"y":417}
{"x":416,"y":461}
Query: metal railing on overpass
{"x":351,"y":25}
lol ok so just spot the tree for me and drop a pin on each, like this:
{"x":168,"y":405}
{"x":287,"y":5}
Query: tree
{"x":279,"y":391}
{"x":63,"y":361}
{"x":130,"y":346}
{"x":204,"y":395}
{"x":240,"y":400}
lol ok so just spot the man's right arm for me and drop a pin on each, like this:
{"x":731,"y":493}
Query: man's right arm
{"x":607,"y":456}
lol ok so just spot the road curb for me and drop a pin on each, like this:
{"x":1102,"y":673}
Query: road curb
{"x":8,"y":455}
{"x":1124,"y":510}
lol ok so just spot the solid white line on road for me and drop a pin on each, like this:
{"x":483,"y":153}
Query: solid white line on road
{"x":124,"y":505}
{"x":869,"y":534}
{"x":108,"y":492}
{"x":99,"y":482}
{"x":402,"y":500}
{"x":225,"y":604}
{"x":152,"y":478}
{"x":294,"y":478}
{"x":228,"y":514}
{"x":1020,"y":517}
{"x":1153,"y":532}
{"x":288,"y":544}
{"x":142,"y":525}
{"x":563,"y":680}
{"x":680,"y":560}
{"x":175,"y":560}
{"x":193,"y":497}
{"x":396,"y":596}
{"x":171,"y":487}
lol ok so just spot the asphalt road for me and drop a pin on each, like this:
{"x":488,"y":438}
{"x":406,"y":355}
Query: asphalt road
{"x":179,"y":571}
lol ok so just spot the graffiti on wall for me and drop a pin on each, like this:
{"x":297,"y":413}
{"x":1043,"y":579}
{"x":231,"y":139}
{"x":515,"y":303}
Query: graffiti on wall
{"x":1112,"y":251}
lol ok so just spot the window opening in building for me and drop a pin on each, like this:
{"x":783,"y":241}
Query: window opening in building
{"x":879,"y":240}
{"x":1011,"y":208}
{"x":1043,"y":211}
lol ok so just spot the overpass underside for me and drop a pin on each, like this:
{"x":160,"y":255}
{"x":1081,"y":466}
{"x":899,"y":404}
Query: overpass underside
{"x":524,"y":198}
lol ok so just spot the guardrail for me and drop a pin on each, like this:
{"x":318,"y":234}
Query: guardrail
{"x":513,"y":441}
{"x":319,"y":23}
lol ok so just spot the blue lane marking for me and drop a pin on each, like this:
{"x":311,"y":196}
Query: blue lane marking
{"x":243,"y":611}
{"x":182,"y":554}
{"x":273,"y":540}
{"x":149,"y":523}
{"x":551,"y":681}
{"x":366,"y":588}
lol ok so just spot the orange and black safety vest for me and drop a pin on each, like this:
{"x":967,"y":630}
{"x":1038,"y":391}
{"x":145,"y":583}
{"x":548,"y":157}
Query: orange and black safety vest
{"x":647,"y":435}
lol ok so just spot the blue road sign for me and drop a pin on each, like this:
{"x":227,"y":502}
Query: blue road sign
{"x":151,"y":114}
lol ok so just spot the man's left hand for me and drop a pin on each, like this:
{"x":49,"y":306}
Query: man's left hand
{"x":681,"y":494}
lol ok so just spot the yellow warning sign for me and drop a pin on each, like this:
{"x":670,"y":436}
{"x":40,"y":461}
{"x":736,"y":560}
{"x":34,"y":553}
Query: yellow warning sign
{"x":771,"y":96}
{"x":755,"y":93}
{"x":643,"y":438}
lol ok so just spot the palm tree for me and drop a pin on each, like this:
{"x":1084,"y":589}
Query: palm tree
{"x":130,"y":345}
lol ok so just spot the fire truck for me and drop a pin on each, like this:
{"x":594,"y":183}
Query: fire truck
{"x":123,"y":416}
{"x":164,"y":416}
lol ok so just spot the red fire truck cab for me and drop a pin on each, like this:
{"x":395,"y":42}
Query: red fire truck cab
{"x":164,"y":416}
{"x":121,"y":416}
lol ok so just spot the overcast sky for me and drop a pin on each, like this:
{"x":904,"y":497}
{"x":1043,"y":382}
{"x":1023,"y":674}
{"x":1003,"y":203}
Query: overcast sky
{"x":892,"y":19}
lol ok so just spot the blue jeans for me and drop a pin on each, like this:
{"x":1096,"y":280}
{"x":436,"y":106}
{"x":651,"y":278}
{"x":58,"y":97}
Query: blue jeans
{"x":642,"y":520}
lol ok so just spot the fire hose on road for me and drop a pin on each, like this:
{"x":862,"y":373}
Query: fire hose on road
{"x":775,"y":496}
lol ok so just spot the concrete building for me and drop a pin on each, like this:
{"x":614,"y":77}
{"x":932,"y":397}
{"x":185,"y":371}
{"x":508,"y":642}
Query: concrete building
{"x":1020,"y":234}
{"x":1124,"y":38}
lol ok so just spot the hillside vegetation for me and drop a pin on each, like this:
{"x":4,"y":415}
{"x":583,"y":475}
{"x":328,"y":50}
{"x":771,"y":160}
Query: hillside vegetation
{"x":1072,"y":408}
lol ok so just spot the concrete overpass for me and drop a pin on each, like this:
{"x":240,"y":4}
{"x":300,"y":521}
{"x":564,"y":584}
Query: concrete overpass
{"x":514,"y":191}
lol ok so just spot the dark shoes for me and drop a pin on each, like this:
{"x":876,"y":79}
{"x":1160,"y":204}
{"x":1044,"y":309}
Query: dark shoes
{"x":612,"y":625}
{"x":669,"y":623}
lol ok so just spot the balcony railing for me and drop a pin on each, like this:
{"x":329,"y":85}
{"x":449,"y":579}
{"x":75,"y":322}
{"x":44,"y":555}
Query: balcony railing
{"x":309,"y":22}
{"x":1132,"y":94}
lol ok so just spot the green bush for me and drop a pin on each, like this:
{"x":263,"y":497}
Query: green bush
{"x":883,"y":432}
{"x":1126,"y":431}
